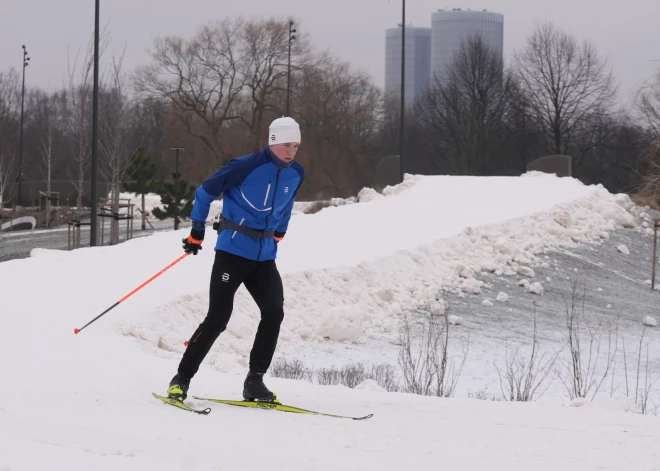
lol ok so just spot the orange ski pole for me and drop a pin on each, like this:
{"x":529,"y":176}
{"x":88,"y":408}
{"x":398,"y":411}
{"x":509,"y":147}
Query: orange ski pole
{"x":75,"y":331}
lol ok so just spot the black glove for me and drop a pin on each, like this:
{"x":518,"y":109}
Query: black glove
{"x":193,"y":243}
{"x":278,"y":236}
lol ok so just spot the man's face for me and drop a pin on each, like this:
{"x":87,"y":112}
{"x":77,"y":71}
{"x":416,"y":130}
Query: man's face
{"x":286,"y":152}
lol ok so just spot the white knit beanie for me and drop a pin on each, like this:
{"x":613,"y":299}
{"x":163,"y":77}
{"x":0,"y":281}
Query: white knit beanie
{"x":284,"y":130}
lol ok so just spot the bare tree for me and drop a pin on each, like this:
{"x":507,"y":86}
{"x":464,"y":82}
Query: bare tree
{"x":415,"y":358}
{"x":566,"y":84}
{"x":47,"y":119}
{"x":230,"y":78}
{"x":648,"y":106}
{"x":7,"y":171}
{"x":79,"y":111}
{"x":117,"y":141}
{"x":594,"y":135}
{"x":200,"y":80}
{"x":606,"y":151}
{"x":265,"y":47}
{"x":642,"y":392}
{"x":424,"y":353}
{"x":466,"y":108}
{"x":338,"y":109}
{"x":590,"y":363}
{"x":525,"y":377}
{"x":648,"y":166}
{"x":8,"y":129}
{"x":265,"y":51}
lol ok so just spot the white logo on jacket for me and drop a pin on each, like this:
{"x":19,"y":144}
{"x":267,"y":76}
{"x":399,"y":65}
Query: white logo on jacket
{"x":286,"y":189}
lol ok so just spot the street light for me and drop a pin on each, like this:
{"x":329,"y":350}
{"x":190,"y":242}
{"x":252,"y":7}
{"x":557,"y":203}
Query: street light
{"x":292,"y":37}
{"x":26,"y":62}
{"x":177,"y":195}
{"x":403,"y":80}
{"x":93,"y":238}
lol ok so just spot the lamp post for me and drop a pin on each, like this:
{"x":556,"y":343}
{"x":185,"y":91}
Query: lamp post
{"x":292,"y":37}
{"x":93,"y":238}
{"x":26,"y":62}
{"x":403,"y":80}
{"x":177,"y":193}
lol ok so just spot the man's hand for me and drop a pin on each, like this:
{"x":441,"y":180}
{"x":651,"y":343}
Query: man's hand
{"x":193,"y":243}
{"x":278,"y":236}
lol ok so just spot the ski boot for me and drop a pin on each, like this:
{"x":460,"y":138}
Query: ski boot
{"x":254,"y":389}
{"x":178,"y":389}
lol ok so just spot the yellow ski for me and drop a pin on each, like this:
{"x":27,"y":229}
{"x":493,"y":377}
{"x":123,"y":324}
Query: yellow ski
{"x":181,"y":405}
{"x":277,"y":406}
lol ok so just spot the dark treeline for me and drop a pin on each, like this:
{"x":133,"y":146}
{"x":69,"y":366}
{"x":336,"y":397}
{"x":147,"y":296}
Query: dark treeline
{"x":216,"y":92}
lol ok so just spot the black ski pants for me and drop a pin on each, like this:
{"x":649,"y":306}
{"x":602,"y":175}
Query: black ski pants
{"x":263,"y":282}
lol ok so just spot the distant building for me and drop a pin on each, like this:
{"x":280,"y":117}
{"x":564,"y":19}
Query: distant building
{"x":450,"y":27}
{"x":418,"y":62}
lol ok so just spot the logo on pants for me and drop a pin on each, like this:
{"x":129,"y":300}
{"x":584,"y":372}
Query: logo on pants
{"x":225,"y":277}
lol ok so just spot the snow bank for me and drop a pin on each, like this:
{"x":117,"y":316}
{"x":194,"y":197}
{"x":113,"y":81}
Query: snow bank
{"x":623,"y":249}
{"x":151,"y":201}
{"x":370,"y":385}
{"x":342,"y":324}
{"x":650,"y":321}
{"x":346,"y":277}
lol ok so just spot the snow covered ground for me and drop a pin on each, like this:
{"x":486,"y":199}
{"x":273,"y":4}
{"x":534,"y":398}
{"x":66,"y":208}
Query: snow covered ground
{"x":351,"y":273}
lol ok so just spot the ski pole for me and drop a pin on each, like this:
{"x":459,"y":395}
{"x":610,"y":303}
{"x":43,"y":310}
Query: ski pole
{"x":76,"y":331}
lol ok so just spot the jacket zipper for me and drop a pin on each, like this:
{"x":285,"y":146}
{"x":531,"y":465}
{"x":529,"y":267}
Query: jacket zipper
{"x":272,"y":208}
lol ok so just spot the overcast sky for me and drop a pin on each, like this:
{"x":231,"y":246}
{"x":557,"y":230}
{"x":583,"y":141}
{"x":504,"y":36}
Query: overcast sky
{"x":627,"y":33}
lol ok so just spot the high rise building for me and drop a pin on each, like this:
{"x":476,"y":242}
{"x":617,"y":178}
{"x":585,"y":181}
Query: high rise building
{"x":417,"y":65}
{"x":450,"y":27}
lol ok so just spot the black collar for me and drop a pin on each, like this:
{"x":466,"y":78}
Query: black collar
{"x":277,"y":162}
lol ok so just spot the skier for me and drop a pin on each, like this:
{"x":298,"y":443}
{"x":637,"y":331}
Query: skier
{"x":258,"y":194}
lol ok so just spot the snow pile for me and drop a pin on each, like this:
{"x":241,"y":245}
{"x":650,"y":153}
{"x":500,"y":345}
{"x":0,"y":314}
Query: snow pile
{"x":368,"y":194}
{"x":623,"y":249}
{"x":307,"y":207}
{"x":454,"y":320}
{"x":370,"y":385}
{"x":344,"y":292}
{"x":535,"y":288}
{"x":151,"y":201}
{"x":649,"y":321}
{"x":438,"y":307}
{"x":525,"y":271}
{"x":342,"y":324}
{"x":470,"y":285}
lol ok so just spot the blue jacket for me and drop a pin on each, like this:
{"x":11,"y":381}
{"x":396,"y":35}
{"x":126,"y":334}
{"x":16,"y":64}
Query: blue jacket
{"x":259,"y":191}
